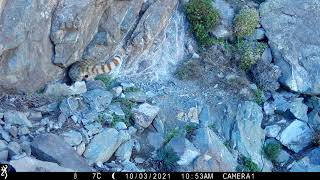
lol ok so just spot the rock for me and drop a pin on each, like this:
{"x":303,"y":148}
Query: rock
{"x":124,"y":151}
{"x":226,"y":12}
{"x":268,"y":108}
{"x":26,"y":50}
{"x":155,"y":140}
{"x":266,"y":75}
{"x":267,"y":56}
{"x":249,"y":142}
{"x":73,"y":26}
{"x":98,"y":99}
{"x":309,"y":163}
{"x":283,"y":157}
{"x":120,"y":126}
{"x":104,"y":144}
{"x":184,"y":149}
{"x":1,"y":115}
{"x":314,"y":120}
{"x":81,"y":148}
{"x":144,"y":114}
{"x":58,"y":89}
{"x":14,"y":148}
{"x":53,"y":148}
{"x":70,"y":106}
{"x":130,"y":167}
{"x":29,"y":164}
{"x":158,"y":125}
{"x":299,"y":110}
{"x":13,"y":131}
{"x":116,"y":91}
{"x":26,"y":147}
{"x":3,"y":145}
{"x":116,"y":109}
{"x":259,"y":34}
{"x":95,"y":84}
{"x":296,"y":54}
{"x":4,"y":155}
{"x":193,"y":115}
{"x":272,"y":131}
{"x":34,"y":116}
{"x":52,"y":107}
{"x":296,"y":136}
{"x":139,"y":97}
{"x":72,"y":137}
{"x":280,"y":103}
{"x":214,"y":155}
{"x":16,"y":117}
{"x":5,"y":135}
{"x":93,"y":128}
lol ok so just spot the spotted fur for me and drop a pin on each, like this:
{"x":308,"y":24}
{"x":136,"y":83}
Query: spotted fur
{"x":83,"y":70}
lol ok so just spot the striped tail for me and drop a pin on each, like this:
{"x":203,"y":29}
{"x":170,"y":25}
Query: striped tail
{"x":106,"y":68}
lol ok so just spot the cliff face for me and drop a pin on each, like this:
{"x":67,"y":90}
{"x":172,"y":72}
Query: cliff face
{"x":42,"y":38}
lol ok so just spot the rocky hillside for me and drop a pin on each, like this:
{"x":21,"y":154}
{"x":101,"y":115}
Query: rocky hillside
{"x":205,"y":85}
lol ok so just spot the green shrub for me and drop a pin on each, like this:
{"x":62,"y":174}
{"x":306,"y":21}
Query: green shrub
{"x":166,"y":159}
{"x":190,"y":128}
{"x":126,"y":106}
{"x":107,"y":80}
{"x":189,"y":70}
{"x":116,"y":119}
{"x":132,"y":89}
{"x":173,"y":133}
{"x":247,"y":165}
{"x":212,"y":127}
{"x":250,"y":52}
{"x":246,"y":22}
{"x":258,"y":96}
{"x":272,"y":151}
{"x":203,"y":17}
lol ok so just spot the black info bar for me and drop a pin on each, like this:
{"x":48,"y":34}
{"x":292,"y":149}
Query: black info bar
{"x":155,"y":175}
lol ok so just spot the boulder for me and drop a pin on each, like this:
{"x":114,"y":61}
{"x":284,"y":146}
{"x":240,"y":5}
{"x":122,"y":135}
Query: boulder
{"x":296,"y":136}
{"x":30,"y":164}
{"x":58,"y":89}
{"x":104,"y":144}
{"x":144,"y":114}
{"x":248,"y":135}
{"x":25,"y":49}
{"x":225,"y":28}
{"x":98,"y":99}
{"x":72,"y":137}
{"x":53,"y":148}
{"x":292,"y":29}
{"x":309,"y":163}
{"x":18,"y":118}
{"x":214,"y":155}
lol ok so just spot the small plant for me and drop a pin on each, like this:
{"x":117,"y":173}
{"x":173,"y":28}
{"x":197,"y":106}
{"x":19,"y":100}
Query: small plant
{"x":101,"y":118}
{"x":203,"y":17}
{"x":250,"y":52}
{"x":212,"y":127}
{"x":190,"y":70}
{"x":190,"y":128}
{"x":228,"y":144}
{"x":166,"y":159}
{"x":272,"y":151}
{"x":126,"y":106}
{"x":116,"y":119}
{"x":132,"y":89}
{"x":258,"y":96}
{"x":246,"y":22}
{"x":107,"y":80}
{"x":247,"y":165}
{"x":173,"y":133}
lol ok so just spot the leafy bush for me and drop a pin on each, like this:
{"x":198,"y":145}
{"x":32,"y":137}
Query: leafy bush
{"x":166,"y":159}
{"x":107,"y":80}
{"x":272,"y":151}
{"x":246,"y":22}
{"x":173,"y":133}
{"x":126,"y":106}
{"x":203,"y":17}
{"x":250,"y":52}
{"x":189,"y":70}
{"x":132,"y":89}
{"x":258,"y":96}
{"x":190,"y":128}
{"x":247,"y":165}
{"x":116,"y":119}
